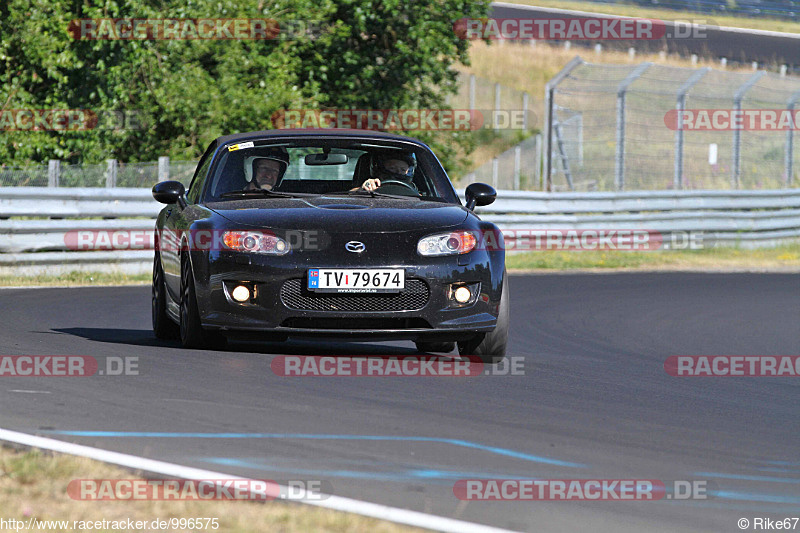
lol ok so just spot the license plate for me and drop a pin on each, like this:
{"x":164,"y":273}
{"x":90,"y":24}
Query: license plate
{"x":356,"y":279}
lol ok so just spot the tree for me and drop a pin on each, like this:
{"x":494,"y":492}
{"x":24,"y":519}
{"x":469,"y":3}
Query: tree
{"x":183,"y":93}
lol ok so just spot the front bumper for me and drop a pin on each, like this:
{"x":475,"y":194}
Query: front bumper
{"x":268,"y":315}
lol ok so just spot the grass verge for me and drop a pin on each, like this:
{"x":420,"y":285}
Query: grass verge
{"x":529,"y":68}
{"x":75,"y":279}
{"x":34,"y":485}
{"x":782,"y":258}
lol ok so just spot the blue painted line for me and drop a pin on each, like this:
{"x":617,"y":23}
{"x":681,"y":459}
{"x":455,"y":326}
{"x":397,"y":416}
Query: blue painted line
{"x":754,"y":497}
{"x":454,"y":442}
{"x":446,"y":475}
{"x":400,"y":476}
{"x":749,"y":478}
{"x":753,"y":507}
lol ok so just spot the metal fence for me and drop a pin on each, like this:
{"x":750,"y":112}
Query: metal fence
{"x":494,"y":101}
{"x":608,"y":127}
{"x":110,"y":174}
{"x":34,"y":244}
{"x":518,"y":168}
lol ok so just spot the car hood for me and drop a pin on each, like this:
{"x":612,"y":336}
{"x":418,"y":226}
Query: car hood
{"x":340,"y":215}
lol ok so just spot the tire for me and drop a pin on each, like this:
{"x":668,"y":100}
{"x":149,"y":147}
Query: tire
{"x":444,"y":347}
{"x":491,"y":347}
{"x":163,"y":325}
{"x":191,"y":330}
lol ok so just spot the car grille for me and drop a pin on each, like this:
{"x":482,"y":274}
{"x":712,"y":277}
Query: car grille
{"x":414,"y":297}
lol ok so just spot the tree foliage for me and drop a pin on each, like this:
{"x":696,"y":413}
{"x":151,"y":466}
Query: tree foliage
{"x":183,"y":93}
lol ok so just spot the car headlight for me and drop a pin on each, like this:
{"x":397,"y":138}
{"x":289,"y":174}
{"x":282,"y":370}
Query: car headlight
{"x":256,"y":242}
{"x":451,"y":243}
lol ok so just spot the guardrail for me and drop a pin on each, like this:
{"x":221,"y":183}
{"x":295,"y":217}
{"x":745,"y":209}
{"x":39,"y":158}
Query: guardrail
{"x":746,"y":218}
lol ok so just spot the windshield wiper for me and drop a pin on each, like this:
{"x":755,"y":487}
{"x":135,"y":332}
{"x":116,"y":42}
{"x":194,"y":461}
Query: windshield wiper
{"x":260,"y":193}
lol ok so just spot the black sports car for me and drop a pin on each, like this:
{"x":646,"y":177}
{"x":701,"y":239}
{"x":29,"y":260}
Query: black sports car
{"x":331,"y":233}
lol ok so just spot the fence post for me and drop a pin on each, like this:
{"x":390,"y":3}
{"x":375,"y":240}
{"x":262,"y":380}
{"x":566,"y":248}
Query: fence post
{"x":537,"y":162}
{"x":562,"y":153}
{"x":163,"y":168}
{"x":111,"y":173}
{"x":472,"y":92}
{"x":680,"y":105}
{"x":525,"y":111}
{"x":619,"y":158}
{"x":53,"y":172}
{"x":549,"y":94}
{"x":517,"y":162}
{"x":737,"y":133}
{"x":788,"y":153}
{"x":495,"y":171}
{"x":496,"y":106}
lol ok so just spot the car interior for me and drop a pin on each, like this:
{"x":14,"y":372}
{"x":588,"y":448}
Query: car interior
{"x":319,"y":177}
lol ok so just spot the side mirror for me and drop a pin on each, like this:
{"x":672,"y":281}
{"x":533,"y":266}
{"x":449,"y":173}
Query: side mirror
{"x":170,"y":192}
{"x":479,"y":194}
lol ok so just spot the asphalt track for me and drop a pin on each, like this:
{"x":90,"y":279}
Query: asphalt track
{"x":595,"y":402}
{"x":738,"y":45}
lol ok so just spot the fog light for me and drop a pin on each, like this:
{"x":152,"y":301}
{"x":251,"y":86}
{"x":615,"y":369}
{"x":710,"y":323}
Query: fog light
{"x":462,"y":295}
{"x":241,"y":294}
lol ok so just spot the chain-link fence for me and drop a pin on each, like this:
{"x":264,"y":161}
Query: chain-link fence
{"x":650,"y":127}
{"x":516,"y":168}
{"x":504,"y":109}
{"x":109,"y":174}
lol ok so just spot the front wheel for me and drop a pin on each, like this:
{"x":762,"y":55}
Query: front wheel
{"x":163,"y":326}
{"x":192,"y":333}
{"x":491,"y":347}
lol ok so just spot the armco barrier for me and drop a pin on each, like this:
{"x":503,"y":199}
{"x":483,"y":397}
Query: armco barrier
{"x":747,"y":218}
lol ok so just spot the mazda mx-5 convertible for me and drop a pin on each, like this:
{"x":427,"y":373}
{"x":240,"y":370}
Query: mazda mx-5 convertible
{"x":346,"y":234}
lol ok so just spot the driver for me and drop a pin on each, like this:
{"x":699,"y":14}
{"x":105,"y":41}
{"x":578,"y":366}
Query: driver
{"x":267,"y":170}
{"x":391,"y":166}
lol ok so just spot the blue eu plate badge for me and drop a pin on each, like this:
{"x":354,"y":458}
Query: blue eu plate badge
{"x":313,"y":279}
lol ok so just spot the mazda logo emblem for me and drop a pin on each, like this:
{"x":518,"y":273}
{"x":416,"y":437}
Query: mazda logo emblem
{"x":355,"y":247}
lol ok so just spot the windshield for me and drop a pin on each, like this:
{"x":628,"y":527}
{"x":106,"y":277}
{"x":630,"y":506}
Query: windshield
{"x":327,"y":166}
